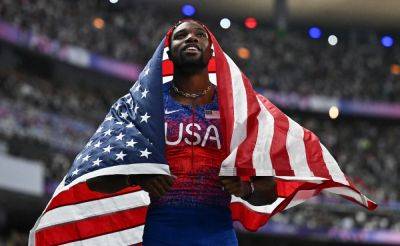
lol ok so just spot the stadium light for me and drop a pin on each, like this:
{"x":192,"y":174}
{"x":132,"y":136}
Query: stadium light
{"x":113,"y":1}
{"x":225,"y":23}
{"x":387,"y":41}
{"x":250,"y":22}
{"x":243,"y":53}
{"x":315,"y":32}
{"x":98,"y":23}
{"x":332,"y":40}
{"x":188,"y":10}
{"x":333,"y":112}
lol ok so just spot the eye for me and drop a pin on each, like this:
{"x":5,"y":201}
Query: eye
{"x":201,"y":34}
{"x":180,"y":35}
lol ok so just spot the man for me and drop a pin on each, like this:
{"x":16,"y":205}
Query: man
{"x":192,"y":206}
{"x":242,"y":135}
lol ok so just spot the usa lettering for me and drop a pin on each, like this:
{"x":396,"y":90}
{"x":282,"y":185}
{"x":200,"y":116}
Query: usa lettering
{"x":197,"y":136}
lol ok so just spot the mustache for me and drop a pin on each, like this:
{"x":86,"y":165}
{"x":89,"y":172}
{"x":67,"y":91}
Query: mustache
{"x":191,"y":45}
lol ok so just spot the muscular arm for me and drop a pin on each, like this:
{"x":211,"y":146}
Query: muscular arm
{"x":264,"y":189}
{"x":157,"y":185}
{"x":108,"y":184}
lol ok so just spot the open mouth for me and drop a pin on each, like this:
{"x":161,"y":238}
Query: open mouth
{"x":191,"y":48}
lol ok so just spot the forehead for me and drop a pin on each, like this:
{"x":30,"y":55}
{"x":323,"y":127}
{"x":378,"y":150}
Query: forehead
{"x":189,"y":26}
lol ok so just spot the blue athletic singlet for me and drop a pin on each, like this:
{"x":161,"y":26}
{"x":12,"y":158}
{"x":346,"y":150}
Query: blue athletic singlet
{"x":196,"y":209}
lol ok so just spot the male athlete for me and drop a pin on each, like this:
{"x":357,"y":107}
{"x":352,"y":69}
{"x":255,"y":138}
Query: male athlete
{"x":191,"y":207}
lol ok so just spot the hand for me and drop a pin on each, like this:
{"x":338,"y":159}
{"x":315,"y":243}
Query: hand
{"x":155,"y":184}
{"x":235,"y":186}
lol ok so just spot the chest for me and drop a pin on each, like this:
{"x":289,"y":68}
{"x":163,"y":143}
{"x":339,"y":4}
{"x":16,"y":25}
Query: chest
{"x":187,"y":125}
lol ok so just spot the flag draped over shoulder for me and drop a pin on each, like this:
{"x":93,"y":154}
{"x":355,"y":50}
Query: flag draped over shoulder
{"x":259,"y":140}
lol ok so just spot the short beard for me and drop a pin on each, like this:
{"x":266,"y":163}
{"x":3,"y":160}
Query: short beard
{"x":190,"y":66}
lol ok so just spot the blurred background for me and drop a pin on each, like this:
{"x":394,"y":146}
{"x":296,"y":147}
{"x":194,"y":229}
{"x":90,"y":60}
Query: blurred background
{"x":333,"y":66}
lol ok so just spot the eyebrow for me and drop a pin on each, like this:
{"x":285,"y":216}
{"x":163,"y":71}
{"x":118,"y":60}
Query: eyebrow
{"x":185,"y":30}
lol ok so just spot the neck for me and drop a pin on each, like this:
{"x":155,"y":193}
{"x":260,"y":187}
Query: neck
{"x":193,"y":82}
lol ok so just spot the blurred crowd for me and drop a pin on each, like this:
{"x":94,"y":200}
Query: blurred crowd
{"x":61,"y":117}
{"x":364,"y":148}
{"x":14,"y":238}
{"x":358,"y":67}
{"x":334,"y":220}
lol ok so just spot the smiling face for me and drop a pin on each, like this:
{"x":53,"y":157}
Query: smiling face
{"x":190,"y":46}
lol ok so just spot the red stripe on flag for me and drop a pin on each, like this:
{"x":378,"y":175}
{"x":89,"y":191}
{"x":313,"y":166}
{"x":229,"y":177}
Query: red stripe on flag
{"x":167,"y":68}
{"x":211,"y":65}
{"x":314,"y":155}
{"x":88,"y":228}
{"x":244,"y":156}
{"x":278,"y":152}
{"x":250,"y":219}
{"x":81,"y":193}
{"x":225,"y":98}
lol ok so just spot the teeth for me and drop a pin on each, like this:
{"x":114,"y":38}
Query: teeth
{"x":191,"y":48}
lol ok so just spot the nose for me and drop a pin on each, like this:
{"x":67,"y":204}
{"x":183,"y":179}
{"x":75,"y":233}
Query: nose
{"x":192,"y":38}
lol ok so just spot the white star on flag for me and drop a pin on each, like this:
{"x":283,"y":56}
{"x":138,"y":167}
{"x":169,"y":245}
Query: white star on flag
{"x":136,"y":108}
{"x":144,"y":93}
{"x":99,"y":129}
{"x":146,"y":72}
{"x":145,"y":153}
{"x":108,"y":132}
{"x":97,"y":144}
{"x":109,"y":118}
{"x":97,"y":162}
{"x":107,"y":149}
{"x":129,"y":100}
{"x":86,"y":158}
{"x":124,"y":115}
{"x":144,"y":117}
{"x":119,"y":123}
{"x":120,"y":155}
{"x":130,"y":125}
{"x":120,"y":136}
{"x":131,"y":143}
{"x":117,"y":106}
{"x":89,"y":143}
{"x":75,"y":172}
{"x":137,"y":86}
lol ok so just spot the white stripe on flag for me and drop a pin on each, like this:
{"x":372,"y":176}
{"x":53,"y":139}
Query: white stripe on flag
{"x":333,"y":167}
{"x":165,"y":55}
{"x":266,"y":209}
{"x":300,"y":197}
{"x":240,"y":105}
{"x":125,"y":237}
{"x":213,"y":78}
{"x":349,"y":192}
{"x":296,"y":150}
{"x":261,"y":158}
{"x":166,"y":79}
{"x":228,"y":165}
{"x":85,"y":210}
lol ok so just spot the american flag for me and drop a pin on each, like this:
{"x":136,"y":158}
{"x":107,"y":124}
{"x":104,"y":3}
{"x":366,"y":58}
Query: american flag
{"x":259,"y":140}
